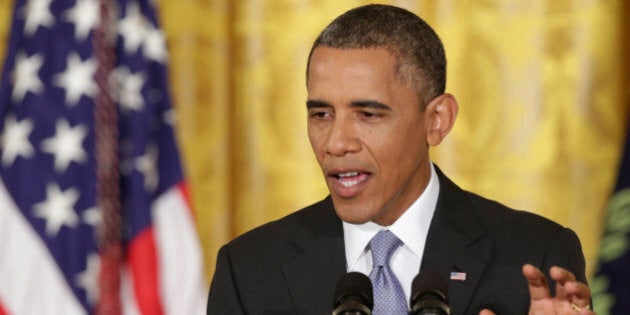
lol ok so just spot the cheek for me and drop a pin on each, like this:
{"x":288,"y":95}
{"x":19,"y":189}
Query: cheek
{"x":312,"y":137}
{"x":384,"y":142}
{"x":316,"y":145}
{"x":396,"y":148}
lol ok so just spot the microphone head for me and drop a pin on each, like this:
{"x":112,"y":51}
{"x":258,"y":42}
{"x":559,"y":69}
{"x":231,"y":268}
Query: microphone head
{"x":429,"y":294}
{"x":353,"y":294}
{"x":429,"y":280}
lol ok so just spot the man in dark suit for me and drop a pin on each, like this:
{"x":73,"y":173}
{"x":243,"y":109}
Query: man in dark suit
{"x":376,"y":79}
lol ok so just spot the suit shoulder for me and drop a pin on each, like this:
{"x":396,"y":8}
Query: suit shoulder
{"x":490,"y":212}
{"x":277,"y":232}
{"x":501,"y":212}
{"x":506,"y":221}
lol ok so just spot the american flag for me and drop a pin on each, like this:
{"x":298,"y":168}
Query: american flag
{"x":50,"y":216}
{"x":459,"y":276}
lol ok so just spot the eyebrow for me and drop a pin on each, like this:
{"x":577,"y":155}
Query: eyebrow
{"x":370,"y":104}
{"x":357,"y":104}
{"x":316,"y":104}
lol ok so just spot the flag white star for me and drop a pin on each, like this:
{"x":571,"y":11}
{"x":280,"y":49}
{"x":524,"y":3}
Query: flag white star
{"x":129,"y":91}
{"x":88,"y":279}
{"x":26,"y":77}
{"x":36,"y":13}
{"x":77,"y":79}
{"x":169,"y":117}
{"x":154,"y":45}
{"x":133,"y":27}
{"x":147,"y":165}
{"x":66,"y":145}
{"x":85,"y":16}
{"x":92,"y":216}
{"x":15,"y":141}
{"x":58,"y":208}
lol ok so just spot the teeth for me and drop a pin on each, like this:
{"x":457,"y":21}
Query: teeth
{"x":350,"y":183}
{"x":348,"y":174}
{"x":346,"y":181}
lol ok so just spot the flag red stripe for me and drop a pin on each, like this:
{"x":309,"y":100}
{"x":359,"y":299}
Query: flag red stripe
{"x":183,"y":188}
{"x":2,"y":311}
{"x":142,"y":258}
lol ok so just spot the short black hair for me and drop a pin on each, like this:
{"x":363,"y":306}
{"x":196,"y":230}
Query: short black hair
{"x":418,"y":49}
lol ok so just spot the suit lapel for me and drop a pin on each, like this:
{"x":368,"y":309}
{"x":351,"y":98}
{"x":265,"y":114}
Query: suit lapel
{"x":312,"y":275}
{"x":455,"y":243}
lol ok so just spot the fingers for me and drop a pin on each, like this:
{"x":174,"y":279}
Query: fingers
{"x":567,"y":287}
{"x":486,"y":312}
{"x":561,"y":275}
{"x":578,"y":293}
{"x":536,"y":282}
{"x":562,"y":278}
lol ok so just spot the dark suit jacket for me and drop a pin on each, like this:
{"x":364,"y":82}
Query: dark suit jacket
{"x":291,"y":266}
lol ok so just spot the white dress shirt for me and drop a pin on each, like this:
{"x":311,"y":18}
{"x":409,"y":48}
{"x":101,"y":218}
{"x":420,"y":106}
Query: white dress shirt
{"x":411,"y":228}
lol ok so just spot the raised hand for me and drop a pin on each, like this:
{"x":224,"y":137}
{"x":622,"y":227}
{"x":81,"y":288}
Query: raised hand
{"x":572,"y":297}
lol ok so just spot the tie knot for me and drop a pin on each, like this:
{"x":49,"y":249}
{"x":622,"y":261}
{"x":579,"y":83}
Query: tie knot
{"x":382,"y":246}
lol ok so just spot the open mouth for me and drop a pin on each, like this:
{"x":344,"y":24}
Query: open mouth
{"x":350,"y":179}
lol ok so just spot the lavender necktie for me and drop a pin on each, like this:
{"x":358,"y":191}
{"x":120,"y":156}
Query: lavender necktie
{"x":389,"y":297}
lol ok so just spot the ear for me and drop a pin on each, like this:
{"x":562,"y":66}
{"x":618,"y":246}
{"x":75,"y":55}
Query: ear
{"x":441,"y":113}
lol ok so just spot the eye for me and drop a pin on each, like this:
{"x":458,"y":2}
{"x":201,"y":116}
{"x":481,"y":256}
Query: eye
{"x":369,"y":115}
{"x":319,"y":114}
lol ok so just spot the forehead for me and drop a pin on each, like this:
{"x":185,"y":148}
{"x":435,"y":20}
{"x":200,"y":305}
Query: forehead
{"x":348,"y":66}
{"x":346,"y":76}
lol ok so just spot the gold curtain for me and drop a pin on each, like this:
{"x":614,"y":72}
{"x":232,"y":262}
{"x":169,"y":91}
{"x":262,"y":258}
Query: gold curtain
{"x":542,"y":87}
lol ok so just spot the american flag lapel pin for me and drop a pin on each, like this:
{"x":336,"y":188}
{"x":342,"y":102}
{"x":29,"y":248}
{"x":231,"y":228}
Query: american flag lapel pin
{"x":458,"y":276}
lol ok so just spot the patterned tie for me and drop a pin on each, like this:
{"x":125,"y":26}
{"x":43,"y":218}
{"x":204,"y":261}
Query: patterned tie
{"x":389,"y":297}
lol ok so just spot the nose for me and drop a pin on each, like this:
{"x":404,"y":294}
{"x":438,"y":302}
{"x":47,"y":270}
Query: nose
{"x":343,"y":138}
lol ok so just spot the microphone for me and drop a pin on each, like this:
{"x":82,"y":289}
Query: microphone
{"x":353,"y":295}
{"x":429,"y":294}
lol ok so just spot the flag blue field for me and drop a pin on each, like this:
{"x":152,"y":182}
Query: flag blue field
{"x":49,"y":213}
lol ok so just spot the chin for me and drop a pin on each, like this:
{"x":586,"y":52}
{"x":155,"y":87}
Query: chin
{"x":352,"y":216}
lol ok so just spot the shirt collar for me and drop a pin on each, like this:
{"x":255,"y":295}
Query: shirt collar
{"x":411,"y":228}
